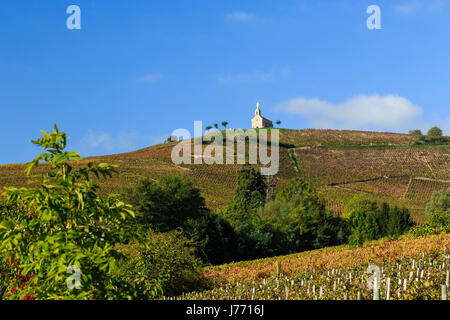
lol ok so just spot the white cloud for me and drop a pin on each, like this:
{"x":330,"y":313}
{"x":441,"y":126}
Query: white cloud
{"x":99,"y":143}
{"x":413,"y":6}
{"x":254,"y":76}
{"x":150,"y":78}
{"x":365,"y":112}
{"x":239,"y":16}
{"x":407,"y":7}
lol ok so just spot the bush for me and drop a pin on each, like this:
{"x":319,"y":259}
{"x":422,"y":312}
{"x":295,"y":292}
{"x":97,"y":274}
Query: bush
{"x":438,"y":209}
{"x":298,"y":221}
{"x":172,"y":203}
{"x":364,"y":222}
{"x":435,"y":131}
{"x":255,"y":237}
{"x":433,"y":140}
{"x":399,"y":222}
{"x":369,"y":221}
{"x":167,"y":204}
{"x":163,"y":263}
{"x":216,"y":239}
{"x":299,"y":192}
{"x":416,"y":132}
{"x":426,"y":229}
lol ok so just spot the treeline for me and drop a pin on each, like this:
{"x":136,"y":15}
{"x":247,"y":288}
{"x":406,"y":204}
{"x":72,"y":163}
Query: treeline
{"x":250,"y":228}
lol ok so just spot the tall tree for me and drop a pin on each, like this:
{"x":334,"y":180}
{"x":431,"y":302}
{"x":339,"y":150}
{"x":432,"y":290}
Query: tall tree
{"x":435,"y":131}
{"x":167,"y":204}
{"x":249,"y":191}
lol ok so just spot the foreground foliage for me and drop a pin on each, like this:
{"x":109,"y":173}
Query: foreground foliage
{"x":163,"y":263}
{"x":62,"y":228}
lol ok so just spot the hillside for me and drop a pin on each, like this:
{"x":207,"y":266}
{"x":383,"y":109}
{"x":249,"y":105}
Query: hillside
{"x":384,"y":166}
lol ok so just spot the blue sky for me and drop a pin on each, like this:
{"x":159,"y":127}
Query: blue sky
{"x":137,"y":70}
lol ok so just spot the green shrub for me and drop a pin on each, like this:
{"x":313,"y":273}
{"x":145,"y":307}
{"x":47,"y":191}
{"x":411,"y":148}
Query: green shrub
{"x":369,"y":221}
{"x":298,"y":221}
{"x":163,"y":263}
{"x":415,"y":132}
{"x":59,"y":223}
{"x":435,"y":131}
{"x":399,"y":222}
{"x":167,"y":204}
{"x":299,"y":191}
{"x":172,"y":203}
{"x":427,"y":229}
{"x":255,"y":237}
{"x":438,"y":209}
{"x":364,"y":223}
{"x":216,"y":239}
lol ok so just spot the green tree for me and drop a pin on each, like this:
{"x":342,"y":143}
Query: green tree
{"x":300,"y":192}
{"x":278,"y":122}
{"x":208,"y":128}
{"x":438,"y":209}
{"x":399,"y":222}
{"x":249,"y":191}
{"x":435,"y":131}
{"x":369,"y":221}
{"x":216,"y":239}
{"x":216,"y":126}
{"x":416,"y":132}
{"x":172,"y":203}
{"x":167,"y":204}
{"x":171,"y":139}
{"x":366,"y":222}
{"x":298,"y":221}
{"x":63,"y":222}
{"x":224,"y":124}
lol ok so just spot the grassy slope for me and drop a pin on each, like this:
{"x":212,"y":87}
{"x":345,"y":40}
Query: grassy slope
{"x":334,"y":160}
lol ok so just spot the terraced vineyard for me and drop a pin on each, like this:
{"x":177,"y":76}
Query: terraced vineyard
{"x":384,"y":166}
{"x":330,"y":138}
{"x":421,"y":189}
{"x":328,"y":166}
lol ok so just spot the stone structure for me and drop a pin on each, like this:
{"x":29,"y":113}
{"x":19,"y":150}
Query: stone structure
{"x":260,"y":122}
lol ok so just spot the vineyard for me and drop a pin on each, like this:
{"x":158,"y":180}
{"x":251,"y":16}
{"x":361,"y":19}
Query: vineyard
{"x":405,"y":269}
{"x":336,"y":207}
{"x":341,"y":163}
{"x":330,"y":138}
{"x":328,"y":166}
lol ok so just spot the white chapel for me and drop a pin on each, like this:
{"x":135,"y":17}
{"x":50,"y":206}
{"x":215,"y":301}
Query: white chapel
{"x":260,"y":122}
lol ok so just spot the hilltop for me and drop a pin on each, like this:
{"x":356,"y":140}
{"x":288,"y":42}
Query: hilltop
{"x":391,"y":167}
